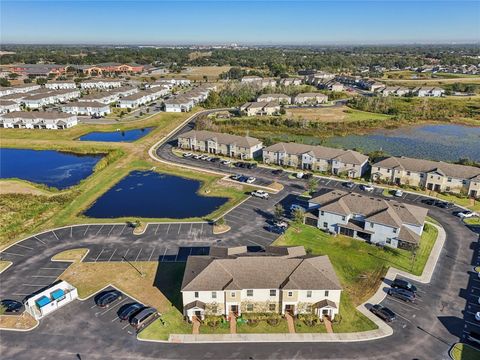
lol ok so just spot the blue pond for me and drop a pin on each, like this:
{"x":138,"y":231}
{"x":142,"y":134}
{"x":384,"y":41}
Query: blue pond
{"x":152,"y":195}
{"x":48,"y":167}
{"x":435,"y":142}
{"x":116,"y":136}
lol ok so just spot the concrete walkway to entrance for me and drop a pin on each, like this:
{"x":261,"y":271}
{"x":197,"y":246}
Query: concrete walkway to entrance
{"x":196,"y":325}
{"x":233,"y":323}
{"x":290,"y":323}
{"x":328,"y":325}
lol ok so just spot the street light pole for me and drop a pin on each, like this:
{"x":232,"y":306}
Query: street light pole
{"x":141,"y":274}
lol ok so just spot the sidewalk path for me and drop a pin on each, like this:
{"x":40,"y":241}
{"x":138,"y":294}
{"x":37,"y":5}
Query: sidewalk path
{"x":233,"y":324}
{"x":290,"y":323}
{"x":196,"y":326}
{"x":328,"y":325}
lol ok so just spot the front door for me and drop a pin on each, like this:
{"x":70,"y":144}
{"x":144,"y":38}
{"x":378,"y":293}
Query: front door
{"x":290,"y":309}
{"x":234,"y":308}
{"x":437,"y":187}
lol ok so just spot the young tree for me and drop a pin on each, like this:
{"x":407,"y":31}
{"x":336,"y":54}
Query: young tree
{"x":4,"y":82}
{"x":312,"y":185}
{"x":278,"y":212}
{"x":298,"y":216}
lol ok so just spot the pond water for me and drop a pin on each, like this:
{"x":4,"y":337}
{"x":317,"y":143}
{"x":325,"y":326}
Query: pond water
{"x":116,"y":136}
{"x":149,"y":194}
{"x":435,"y":142}
{"x":48,"y":167}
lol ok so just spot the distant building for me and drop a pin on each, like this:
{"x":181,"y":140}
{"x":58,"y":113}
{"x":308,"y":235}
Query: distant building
{"x":60,"y":85}
{"x":310,"y":98}
{"x":260,"y":108}
{"x":293,"y":81}
{"x":48,"y":97}
{"x":37,"y":120}
{"x":428,"y":91}
{"x":142,"y":98}
{"x":179,"y":103}
{"x":279,"y":98}
{"x":101,"y":84}
{"x":91,"y":108}
{"x":394,"y":91}
{"x":7,"y":106}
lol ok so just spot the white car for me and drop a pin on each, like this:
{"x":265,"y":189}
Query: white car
{"x":260,"y":194}
{"x":466,"y":214}
{"x":226,"y":162}
{"x":187,"y":155}
{"x":250,"y":180}
{"x":197,"y":156}
{"x":477,"y":316}
{"x":398,"y":193}
{"x":294,"y":207}
{"x":299,"y":175}
{"x":367,"y":187}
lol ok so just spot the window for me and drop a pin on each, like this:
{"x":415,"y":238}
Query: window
{"x":325,"y":225}
{"x":343,"y":218}
{"x":449,"y":179}
{"x":322,"y":212}
{"x":214,"y":294}
{"x":326,"y":293}
{"x":272,"y":307}
{"x":421,"y":175}
{"x":389,"y":241}
{"x":371,"y":225}
{"x":273,"y":292}
{"x":249,"y":292}
{"x":378,"y":169}
{"x":196,"y":294}
{"x":290,"y":293}
{"x":232,"y":294}
{"x":214,"y":309}
{"x":309,"y":293}
{"x":249,"y":307}
{"x":408,"y":173}
{"x":394,"y":230}
{"x":388,"y":170}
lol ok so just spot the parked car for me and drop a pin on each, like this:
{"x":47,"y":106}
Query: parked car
{"x":108,"y":297}
{"x":187,"y":154}
{"x":403,"y":284}
{"x":197,"y":157}
{"x":294,"y":207}
{"x":282,"y":224}
{"x":260,"y":194}
{"x":277,"y":171}
{"x":349,"y":184}
{"x":402,"y":294}
{"x":383,"y":312}
{"x":142,"y":319}
{"x":367,"y":188}
{"x":428,"y":201}
{"x":307,"y":176}
{"x":239,"y":164}
{"x":235,"y":177}
{"x":477,"y":316}
{"x":11,"y":306}
{"x":129,"y":310}
{"x":398,"y":193}
{"x":226,"y":162}
{"x":215,"y":159}
{"x":466,"y":214}
{"x":444,"y":204}
{"x":276,"y":229}
{"x":250,"y":180}
{"x":208,"y":158}
{"x":251,"y":165}
{"x":300,"y":175}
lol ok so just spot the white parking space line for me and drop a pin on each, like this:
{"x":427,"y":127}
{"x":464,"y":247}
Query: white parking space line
{"x":168,"y":228}
{"x":110,"y":231}
{"x":179,"y":229}
{"x":156,"y":229}
{"x":99,"y":254}
{"x":101,"y":227}
{"x":124,"y":226}
{"x":403,"y":317}
{"x":150,"y":257}
{"x":49,"y":268}
{"x":36,"y":285}
{"x":113,"y":306}
{"x":138,"y":254}
{"x":86,"y":230}
{"x":23,"y":246}
{"x":36,"y":238}
{"x":71,"y":231}
{"x":125,"y":256}
{"x":472,"y":323}
{"x":113,"y":253}
{"x":10,"y":253}
{"x":55,"y":235}
{"x":403,"y":303}
{"x":21,"y":294}
{"x":190,"y":231}
{"x":123,"y":328}
{"x":201,"y":230}
{"x":44,"y":276}
{"x":164,"y":253}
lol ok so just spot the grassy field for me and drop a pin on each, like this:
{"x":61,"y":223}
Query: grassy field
{"x":472,"y":221}
{"x":333,"y":114}
{"x":263,"y":328}
{"x":73,"y":255}
{"x":360,"y":266}
{"x":4,"y":265}
{"x":461,"y":351}
{"x":18,"y":322}
{"x":197,"y":73}
{"x":413,"y":75}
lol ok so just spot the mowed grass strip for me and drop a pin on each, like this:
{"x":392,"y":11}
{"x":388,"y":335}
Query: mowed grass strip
{"x":73,"y":255}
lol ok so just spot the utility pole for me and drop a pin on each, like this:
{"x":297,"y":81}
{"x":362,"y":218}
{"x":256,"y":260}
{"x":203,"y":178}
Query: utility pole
{"x":141,"y":274}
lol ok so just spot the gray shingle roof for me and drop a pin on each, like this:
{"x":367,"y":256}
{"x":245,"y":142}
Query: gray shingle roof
{"x":221,"y":138}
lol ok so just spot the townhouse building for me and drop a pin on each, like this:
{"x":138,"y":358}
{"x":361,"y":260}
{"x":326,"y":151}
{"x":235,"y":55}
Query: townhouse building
{"x":244,"y":147}
{"x":281,"y":280}
{"x":141,"y":98}
{"x":7,"y":106}
{"x":427,"y":174}
{"x":102,"y":84}
{"x":261,"y":108}
{"x":394,"y":91}
{"x":279,"y":98}
{"x":259,"y":81}
{"x":331,"y":85}
{"x":428,"y":91}
{"x":310,"y":98}
{"x":60,"y":85}
{"x":374,"y":220}
{"x":37,"y":120}
{"x":91,"y":108}
{"x":48,"y":97}
{"x":20,"y":89}
{"x":179,"y":103}
{"x":291,"y":81}
{"x":317,"y":158}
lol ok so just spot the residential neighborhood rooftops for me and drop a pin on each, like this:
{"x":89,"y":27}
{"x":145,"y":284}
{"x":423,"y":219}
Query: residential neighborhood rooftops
{"x":345,"y":156}
{"x":221,"y":138}
{"x":36,"y":115}
{"x":83,"y":104}
{"x":426,"y":166}
{"x":257,"y":271}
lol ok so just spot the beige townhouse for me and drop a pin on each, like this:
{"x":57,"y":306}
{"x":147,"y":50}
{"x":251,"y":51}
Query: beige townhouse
{"x":317,"y":158}
{"x":310,"y":98}
{"x":432,"y":175}
{"x":279,"y":98}
{"x":260,"y":108}
{"x":244,"y":147}
{"x":280,"y":280}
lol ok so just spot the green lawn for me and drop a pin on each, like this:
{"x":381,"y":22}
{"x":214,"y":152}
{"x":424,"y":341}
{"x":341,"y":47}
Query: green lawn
{"x":301,"y":327}
{"x":223,"y":328}
{"x":263,"y":328}
{"x":360,"y":266}
{"x":350,"y":319}
{"x":472,"y":221}
{"x":461,"y":351}
{"x":170,"y":322}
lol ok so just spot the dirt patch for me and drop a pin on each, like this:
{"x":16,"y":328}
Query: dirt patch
{"x":230,"y":184}
{"x":19,"y":322}
{"x":220,"y":229}
{"x":18,"y":187}
{"x":318,"y":114}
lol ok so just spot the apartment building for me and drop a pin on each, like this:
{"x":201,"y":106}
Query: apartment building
{"x":141,"y":98}
{"x":310,"y":98}
{"x":432,"y":175}
{"x":373,"y":220}
{"x":244,"y":147}
{"x":278,"y":98}
{"x":7,"y":106}
{"x":20,"y":89}
{"x":291,"y":81}
{"x":60,"y":85}
{"x":179,"y":103}
{"x":317,"y":158}
{"x":37,"y":120}
{"x":428,"y":91}
{"x":260,"y":108}
{"x":91,"y":108}
{"x":101,"y":84}
{"x":48,"y":97}
{"x":394,"y":91}
{"x":281,"y":280}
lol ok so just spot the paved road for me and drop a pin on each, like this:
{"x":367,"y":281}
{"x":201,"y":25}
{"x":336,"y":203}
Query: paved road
{"x":424,"y":330}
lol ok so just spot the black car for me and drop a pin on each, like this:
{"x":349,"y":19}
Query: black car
{"x":402,"y":294}
{"x":129,"y":310}
{"x":251,"y":165}
{"x":444,"y":205}
{"x":383,"y":312}
{"x":349,"y":184}
{"x":239,"y":164}
{"x":428,"y":201}
{"x":108,"y":297}
{"x":215,"y":159}
{"x":277,"y":172}
{"x":276,"y":229}
{"x":307,"y":176}
{"x":403,"y":284}
{"x":11,"y":306}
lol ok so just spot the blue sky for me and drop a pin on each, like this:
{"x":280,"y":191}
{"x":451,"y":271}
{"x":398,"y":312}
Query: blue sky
{"x":253,"y":22}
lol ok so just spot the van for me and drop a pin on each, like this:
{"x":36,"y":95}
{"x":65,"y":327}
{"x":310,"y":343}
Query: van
{"x":143,"y":318}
